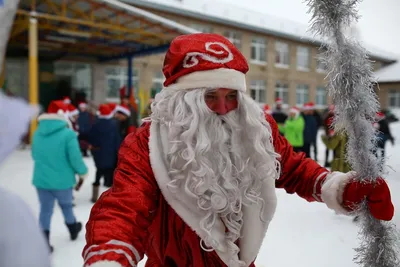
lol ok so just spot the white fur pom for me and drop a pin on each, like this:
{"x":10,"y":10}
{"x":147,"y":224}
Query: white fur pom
{"x":105,"y":264}
{"x":333,"y":188}
{"x":60,"y":112}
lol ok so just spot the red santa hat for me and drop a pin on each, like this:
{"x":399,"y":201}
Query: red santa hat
{"x":309,"y":106}
{"x":124,"y":109}
{"x":380,"y":115}
{"x":57,"y":107}
{"x":113,"y":106}
{"x":67,"y":100}
{"x":295,"y":110}
{"x":267,"y":109}
{"x":82,"y":105}
{"x":72,"y":110}
{"x":105,"y":112}
{"x":204,"y":60}
{"x":279,"y":101}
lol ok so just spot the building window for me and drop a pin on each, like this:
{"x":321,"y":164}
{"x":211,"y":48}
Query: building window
{"x":79,"y":75}
{"x":158,"y":80}
{"x":394,"y":98}
{"x":258,"y":50}
{"x":282,"y":91}
{"x":302,"y":94}
{"x":116,"y":78}
{"x":201,"y":28}
{"x":321,"y":96}
{"x":282,"y":55}
{"x":321,"y":66}
{"x":303,"y":58}
{"x":257,"y":90}
{"x":234,"y":37}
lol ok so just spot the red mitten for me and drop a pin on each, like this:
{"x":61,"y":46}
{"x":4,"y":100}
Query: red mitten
{"x":377,"y":194}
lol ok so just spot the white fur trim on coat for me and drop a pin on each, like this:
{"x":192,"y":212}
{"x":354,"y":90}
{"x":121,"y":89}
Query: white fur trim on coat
{"x":253,"y":230}
{"x":105,"y":264}
{"x":333,"y":188}
{"x":216,"y":78}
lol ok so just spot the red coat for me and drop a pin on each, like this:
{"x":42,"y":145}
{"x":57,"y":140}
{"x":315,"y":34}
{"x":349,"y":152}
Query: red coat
{"x":133,"y":218}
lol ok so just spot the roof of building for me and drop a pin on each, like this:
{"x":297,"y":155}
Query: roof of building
{"x":103,"y":29}
{"x":389,"y":74}
{"x":250,"y":20}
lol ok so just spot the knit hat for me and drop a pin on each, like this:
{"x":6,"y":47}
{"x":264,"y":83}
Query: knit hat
{"x":105,"y":112}
{"x":204,"y":60}
{"x":124,"y":109}
{"x":58,"y":107}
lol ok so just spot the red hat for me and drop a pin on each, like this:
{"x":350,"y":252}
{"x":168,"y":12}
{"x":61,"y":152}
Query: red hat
{"x":67,"y":100}
{"x":105,"y":112}
{"x":267,"y":109}
{"x":204,"y":60}
{"x":113,"y":106}
{"x":308,"y":106}
{"x":72,"y":110}
{"x":380,"y":115}
{"x":295,"y":110}
{"x":278,"y":101}
{"x":123,"y":109}
{"x":82,"y":105}
{"x":57,"y":107}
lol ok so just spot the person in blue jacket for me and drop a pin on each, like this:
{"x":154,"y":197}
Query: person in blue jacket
{"x":105,"y":140}
{"x":57,"y":159}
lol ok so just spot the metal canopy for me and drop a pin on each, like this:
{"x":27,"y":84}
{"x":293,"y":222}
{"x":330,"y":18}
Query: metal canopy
{"x":102,"y":29}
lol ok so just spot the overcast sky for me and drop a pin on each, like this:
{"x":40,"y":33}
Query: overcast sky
{"x":379,"y":24}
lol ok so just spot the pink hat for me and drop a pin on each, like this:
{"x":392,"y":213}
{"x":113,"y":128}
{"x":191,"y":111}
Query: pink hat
{"x":82,"y":105}
{"x":204,"y":60}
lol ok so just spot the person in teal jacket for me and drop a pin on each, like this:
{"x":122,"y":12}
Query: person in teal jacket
{"x":293,"y":129}
{"x":57,"y":159}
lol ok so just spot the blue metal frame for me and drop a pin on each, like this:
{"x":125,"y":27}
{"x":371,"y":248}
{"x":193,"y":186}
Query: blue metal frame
{"x":143,"y":52}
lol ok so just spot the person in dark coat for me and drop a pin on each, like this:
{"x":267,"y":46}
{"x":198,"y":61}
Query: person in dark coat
{"x":384,"y":134}
{"x":105,"y":141}
{"x":84,"y":122}
{"x":310,"y":130}
{"x":279,"y":115}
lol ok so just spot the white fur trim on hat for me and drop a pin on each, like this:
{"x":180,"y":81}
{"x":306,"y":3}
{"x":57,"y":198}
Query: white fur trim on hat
{"x":105,"y":264}
{"x":333,"y":188}
{"x":109,"y":116}
{"x":216,"y":78}
{"x":122,"y":109}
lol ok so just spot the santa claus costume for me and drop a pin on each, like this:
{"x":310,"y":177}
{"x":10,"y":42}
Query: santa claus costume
{"x":196,"y":185}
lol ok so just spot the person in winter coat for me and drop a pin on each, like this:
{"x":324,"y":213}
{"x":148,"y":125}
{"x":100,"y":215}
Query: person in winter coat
{"x":279,"y":115}
{"x":84,"y":122}
{"x":57,"y":159}
{"x":310,"y":130}
{"x":105,"y":140}
{"x":122,"y":113}
{"x":337,"y":143}
{"x":21,"y":240}
{"x":384,"y":134}
{"x":197,"y":185}
{"x":293,"y":129}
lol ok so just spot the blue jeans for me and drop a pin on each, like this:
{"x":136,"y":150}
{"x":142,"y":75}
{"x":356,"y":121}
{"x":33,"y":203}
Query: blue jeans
{"x":47,"y":199}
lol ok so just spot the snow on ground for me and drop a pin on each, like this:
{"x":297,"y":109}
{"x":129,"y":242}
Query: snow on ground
{"x":301,"y":234}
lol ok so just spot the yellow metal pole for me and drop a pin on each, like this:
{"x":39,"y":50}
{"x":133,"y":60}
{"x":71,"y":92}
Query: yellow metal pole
{"x":33,"y":69}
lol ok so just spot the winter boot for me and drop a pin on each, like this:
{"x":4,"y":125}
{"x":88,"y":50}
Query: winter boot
{"x":47,"y":236}
{"x":95,"y":193}
{"x":74,"y":229}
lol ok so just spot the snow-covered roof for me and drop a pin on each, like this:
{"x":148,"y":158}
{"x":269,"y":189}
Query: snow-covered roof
{"x":389,"y":73}
{"x":236,"y":17}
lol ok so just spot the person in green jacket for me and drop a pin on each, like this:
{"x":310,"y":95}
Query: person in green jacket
{"x":337,"y":142}
{"x":293,"y":129}
{"x":57,"y":159}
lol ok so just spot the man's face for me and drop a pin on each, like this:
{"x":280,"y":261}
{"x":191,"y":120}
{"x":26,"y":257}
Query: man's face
{"x":221,"y":100}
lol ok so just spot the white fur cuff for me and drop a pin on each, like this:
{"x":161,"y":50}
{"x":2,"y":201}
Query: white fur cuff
{"x":105,"y":264}
{"x":333,"y":188}
{"x":216,"y":78}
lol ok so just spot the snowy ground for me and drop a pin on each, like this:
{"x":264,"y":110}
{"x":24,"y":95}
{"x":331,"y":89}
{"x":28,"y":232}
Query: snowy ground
{"x":302,"y":234}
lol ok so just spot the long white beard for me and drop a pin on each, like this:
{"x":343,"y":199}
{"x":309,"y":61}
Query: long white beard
{"x":220,"y":161}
